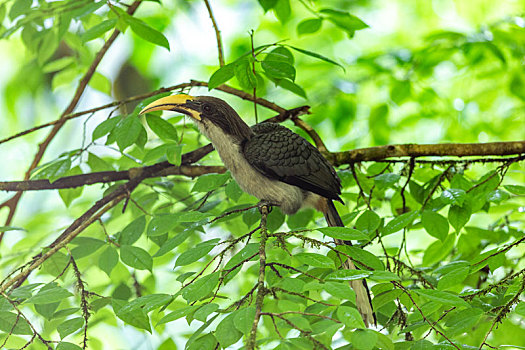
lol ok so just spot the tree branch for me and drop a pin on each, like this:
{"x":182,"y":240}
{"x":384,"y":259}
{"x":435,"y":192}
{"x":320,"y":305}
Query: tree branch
{"x":13,"y":202}
{"x":261,"y":290}
{"x":439,"y":150}
{"x":165,"y":168}
{"x":217,"y":32}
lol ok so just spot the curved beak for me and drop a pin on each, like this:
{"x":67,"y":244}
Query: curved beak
{"x":177,"y":103}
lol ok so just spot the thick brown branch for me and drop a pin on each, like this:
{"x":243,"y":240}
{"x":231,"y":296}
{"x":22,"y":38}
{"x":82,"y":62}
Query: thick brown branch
{"x":438,"y":150}
{"x":165,"y":168}
{"x":108,"y":176}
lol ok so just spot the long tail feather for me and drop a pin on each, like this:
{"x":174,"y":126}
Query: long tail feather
{"x":363,"y":299}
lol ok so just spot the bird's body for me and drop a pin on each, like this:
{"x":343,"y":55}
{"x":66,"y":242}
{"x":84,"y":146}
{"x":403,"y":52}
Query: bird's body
{"x":247,"y":158}
{"x":289,"y":198}
{"x":272,"y":163}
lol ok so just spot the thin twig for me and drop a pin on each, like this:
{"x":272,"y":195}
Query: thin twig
{"x":217,"y":33}
{"x":400,"y":286}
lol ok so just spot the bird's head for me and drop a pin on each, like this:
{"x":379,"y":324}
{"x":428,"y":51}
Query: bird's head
{"x":204,"y":110}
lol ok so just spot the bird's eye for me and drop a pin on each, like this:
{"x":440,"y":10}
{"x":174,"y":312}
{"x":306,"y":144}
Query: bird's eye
{"x":206,"y":108}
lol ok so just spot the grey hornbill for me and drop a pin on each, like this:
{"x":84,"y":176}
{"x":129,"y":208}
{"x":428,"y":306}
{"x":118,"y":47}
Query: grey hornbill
{"x":270,"y":162}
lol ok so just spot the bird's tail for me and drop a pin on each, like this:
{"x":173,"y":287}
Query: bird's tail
{"x":363,"y":300}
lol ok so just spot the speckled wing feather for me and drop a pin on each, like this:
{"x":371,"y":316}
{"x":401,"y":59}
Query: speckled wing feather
{"x":281,"y":154}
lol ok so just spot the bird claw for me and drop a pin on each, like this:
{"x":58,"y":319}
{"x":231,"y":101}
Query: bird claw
{"x":267,"y":204}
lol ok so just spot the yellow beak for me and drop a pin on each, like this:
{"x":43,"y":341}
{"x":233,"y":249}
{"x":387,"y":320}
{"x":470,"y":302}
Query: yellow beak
{"x":174,"y":103}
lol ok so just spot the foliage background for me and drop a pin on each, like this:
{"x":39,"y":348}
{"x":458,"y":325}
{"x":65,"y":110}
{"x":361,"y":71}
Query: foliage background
{"x":422,"y":72}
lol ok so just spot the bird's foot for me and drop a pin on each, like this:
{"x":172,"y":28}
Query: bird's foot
{"x":266,"y":204}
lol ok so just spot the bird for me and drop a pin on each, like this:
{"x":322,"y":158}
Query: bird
{"x":272,"y":163}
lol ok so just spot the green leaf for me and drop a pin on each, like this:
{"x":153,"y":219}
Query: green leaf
{"x":11,"y":228}
{"x":100,"y":83}
{"x":516,"y":189}
{"x":206,"y":342}
{"x":244,"y":74}
{"x":58,"y":64}
{"x":386,"y":180}
{"x":49,"y":293}
{"x":363,"y":257}
{"x":10,"y":323}
{"x":99,"y":29}
{"x":246,"y":252}
{"x":175,"y":315}
{"x":105,"y":127}
{"x":454,"y":196}
{"x":278,"y":69}
{"x":364,"y":339}
{"x":444,"y":298}
{"x":399,"y":223}
{"x":339,"y":290}
{"x":64,"y":345}
{"x":459,"y":216}
{"x":243,"y":319}
{"x":70,"y":326}
{"x":463,"y":319}
{"x":226,"y":333}
{"x":48,"y":46}
{"x":520,"y":309}
{"x":210,"y":182}
{"x":384,"y":276}
{"x":86,"y":246}
{"x":174,"y":154}
{"x":132,"y":232}
{"x":233,"y":191}
{"x":127,"y":131}
{"x":69,"y":194}
{"x":161,"y":224}
{"x":19,"y":8}
{"x":53,"y":171}
{"x":108,"y":260}
{"x":347,"y":275}
{"x":66,"y":312}
{"x":435,"y":224}
{"x":309,"y":26}
{"x":368,"y":222}
{"x":344,"y":233}
{"x":517,"y":85}
{"x":350,"y":317}
{"x":192,"y":216}
{"x":291,"y":86}
{"x":316,"y":55}
{"x":438,"y":250}
{"x":282,"y":10}
{"x":136,"y":257}
{"x":171,"y":243}
{"x":162,"y":128}
{"x":315,"y":260}
{"x":56,"y":264}
{"x":201,"y":287}
{"x":204,"y":311}
{"x":454,"y":276}
{"x":498,"y":196}
{"x":195,"y":253}
{"x":344,"y":20}
{"x":148,"y":33}
{"x":267,"y":4}
{"x":26,"y":291}
{"x":221,"y":76}
{"x":134,"y":316}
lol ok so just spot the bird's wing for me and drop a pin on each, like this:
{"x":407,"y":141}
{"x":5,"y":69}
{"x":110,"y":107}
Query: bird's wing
{"x":281,"y":154}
